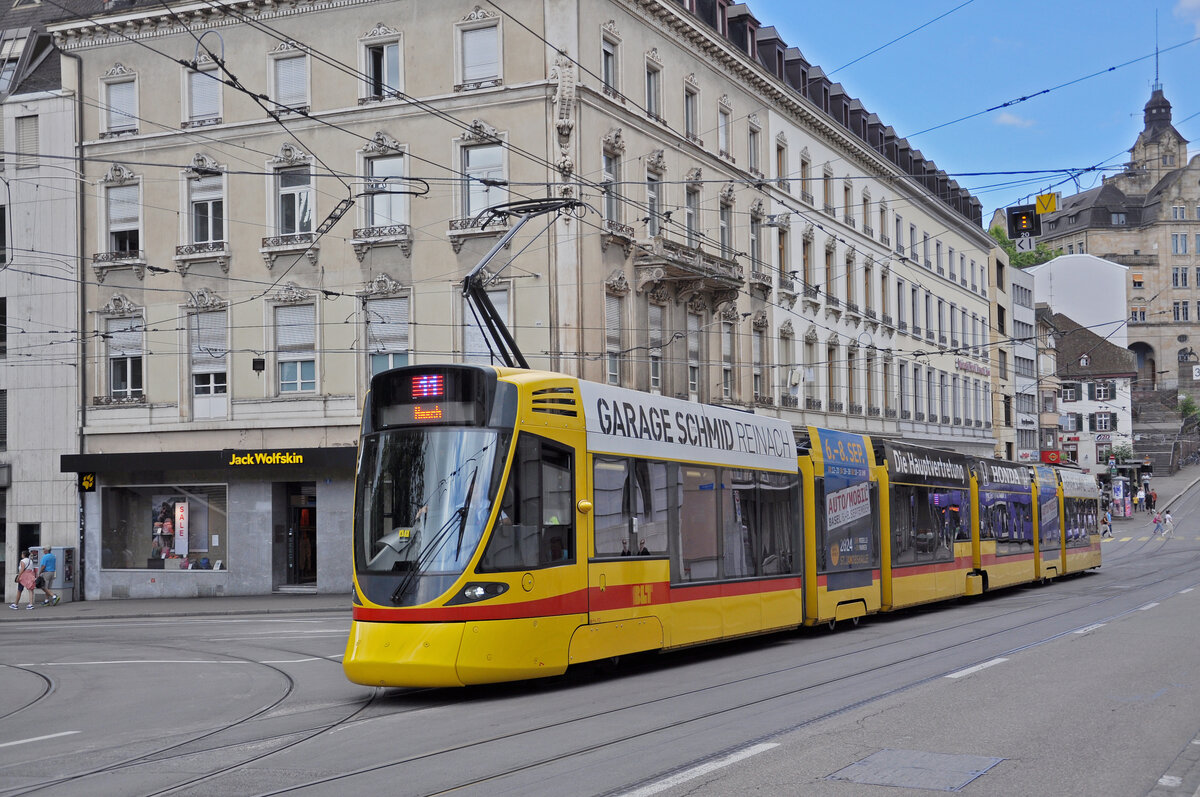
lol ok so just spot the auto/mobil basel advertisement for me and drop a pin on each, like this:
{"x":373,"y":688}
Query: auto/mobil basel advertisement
{"x":849,"y":542}
{"x":1048,"y":531}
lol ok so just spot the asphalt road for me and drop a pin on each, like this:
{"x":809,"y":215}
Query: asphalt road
{"x":1088,"y":686}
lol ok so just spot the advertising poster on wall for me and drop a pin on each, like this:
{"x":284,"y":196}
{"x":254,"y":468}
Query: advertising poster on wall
{"x":849,"y":518}
{"x":1048,"y":531}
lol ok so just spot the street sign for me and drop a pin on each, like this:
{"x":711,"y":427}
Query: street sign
{"x":1047,"y":203}
{"x":1024,"y":220}
{"x":1025,"y":244}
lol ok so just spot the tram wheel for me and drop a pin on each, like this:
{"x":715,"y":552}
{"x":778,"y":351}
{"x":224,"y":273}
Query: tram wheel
{"x":833,"y":624}
{"x":855,"y":621}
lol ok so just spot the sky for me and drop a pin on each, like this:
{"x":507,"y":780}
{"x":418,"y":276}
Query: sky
{"x":983,"y":53}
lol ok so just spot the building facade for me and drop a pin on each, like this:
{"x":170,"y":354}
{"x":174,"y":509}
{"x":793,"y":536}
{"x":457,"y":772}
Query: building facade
{"x":1147,"y":217}
{"x":39,"y":308}
{"x":752,"y":237}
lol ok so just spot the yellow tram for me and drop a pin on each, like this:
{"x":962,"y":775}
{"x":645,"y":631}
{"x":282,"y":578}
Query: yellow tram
{"x":509,"y":523}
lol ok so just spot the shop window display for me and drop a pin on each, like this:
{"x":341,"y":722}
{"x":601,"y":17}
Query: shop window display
{"x":171,"y":527}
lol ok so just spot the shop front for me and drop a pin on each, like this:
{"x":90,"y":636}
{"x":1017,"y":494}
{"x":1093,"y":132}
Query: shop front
{"x":209,"y":523}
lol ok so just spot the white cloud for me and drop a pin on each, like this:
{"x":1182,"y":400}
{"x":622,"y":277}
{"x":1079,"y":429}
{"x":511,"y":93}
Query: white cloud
{"x":1189,"y":11}
{"x":1012,"y":120}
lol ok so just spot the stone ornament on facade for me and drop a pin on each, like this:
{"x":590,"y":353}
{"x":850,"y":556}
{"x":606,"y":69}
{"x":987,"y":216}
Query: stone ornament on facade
{"x":656,"y":161}
{"x":694,"y":177}
{"x":291,"y":293}
{"x":697,"y":303}
{"x":287,"y":46}
{"x":564,"y":115}
{"x":809,"y":232}
{"x":730,"y":311}
{"x":725,"y":102}
{"x":617,"y":283}
{"x":478,"y":14}
{"x":830,"y":244}
{"x":118,"y":70}
{"x":756,"y":208}
{"x":480,"y":130}
{"x":760,"y":321}
{"x":610,"y":28}
{"x":810,"y":335}
{"x":786,"y":329}
{"x":202,"y":165}
{"x":382,"y":144}
{"x":781,"y":138}
{"x":614,"y":141}
{"x":752,"y":120}
{"x":653,"y":57}
{"x":117,"y":175}
{"x":290,"y":155}
{"x":381,"y":285}
{"x":379,"y":31}
{"x":691,"y":79}
{"x":205,"y":299}
{"x":729,"y":193}
{"x":649,"y":275}
{"x":120,"y":305}
{"x":659,"y":294}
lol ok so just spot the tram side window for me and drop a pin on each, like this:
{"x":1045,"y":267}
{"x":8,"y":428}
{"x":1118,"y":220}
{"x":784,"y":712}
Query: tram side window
{"x":698,"y":559}
{"x":739,"y":510}
{"x":536,"y":523}
{"x":1007,"y":518}
{"x":925,"y":523}
{"x":1081,"y":520}
{"x":779,"y":518}
{"x":636,"y":501}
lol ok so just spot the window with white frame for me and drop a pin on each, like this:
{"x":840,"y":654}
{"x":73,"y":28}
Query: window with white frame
{"x":290,"y":73}
{"x":385,"y":204}
{"x":727,"y":359}
{"x":477,"y":347}
{"x":755,"y":243}
{"x":294,"y":200}
{"x":653,"y":91}
{"x":209,"y":353}
{"x":1104,"y":421}
{"x":204,"y":96}
{"x":483,"y":171}
{"x":653,"y":204}
{"x":655,"y":322}
{"x":383,"y":67}
{"x":480,"y":59}
{"x":723,"y":138}
{"x":691,"y":215}
{"x":295,"y":344}
{"x":608,"y":64}
{"x":759,"y":346}
{"x":752,"y":158}
{"x":27,"y":156}
{"x":609,"y":186}
{"x":725,"y":228}
{"x":120,"y":101}
{"x":1179,"y":243}
{"x":1104,"y":391}
{"x":387,"y":332}
{"x":612,"y":338}
{"x":124,"y":339}
{"x":124,"y":219}
{"x":207,"y":200}
{"x":693,"y":354}
{"x":691,"y":110}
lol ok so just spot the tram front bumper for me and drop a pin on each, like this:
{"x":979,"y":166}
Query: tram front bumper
{"x":403,"y":654}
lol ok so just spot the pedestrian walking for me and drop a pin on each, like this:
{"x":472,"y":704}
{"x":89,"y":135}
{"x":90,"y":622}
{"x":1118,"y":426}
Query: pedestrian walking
{"x":1168,"y":524}
{"x":47,"y":569}
{"x":1137,"y":499}
{"x":1158,"y":524}
{"x":1153,"y":499}
{"x":1107,"y":531}
{"x":25,"y":579}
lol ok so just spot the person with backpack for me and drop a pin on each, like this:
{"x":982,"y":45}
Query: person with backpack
{"x":26,"y":578}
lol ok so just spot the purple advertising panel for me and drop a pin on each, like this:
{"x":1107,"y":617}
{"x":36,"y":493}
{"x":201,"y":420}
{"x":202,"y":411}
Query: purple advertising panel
{"x":846,"y":513}
{"x":1048,"y":525}
{"x":930,"y":502}
{"x":1005,"y":505}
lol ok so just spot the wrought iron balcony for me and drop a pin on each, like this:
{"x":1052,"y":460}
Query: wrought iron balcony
{"x":958,"y":421}
{"x":788,"y":400}
{"x":837,"y":406}
{"x":806,"y":197}
{"x":832,"y":301}
{"x":918,"y":416}
{"x":830,"y":210}
{"x":856,"y":409}
{"x":366,"y":237}
{"x":852,"y":308}
{"x":887,"y":320}
{"x":812,"y":403}
{"x":679,"y":262}
{"x":946,"y":419}
{"x":849,"y":220}
{"x":868,"y":231}
{"x":889,"y":413}
{"x":929,"y":334}
{"x":764,"y":400}
{"x":905,"y":415}
{"x":873,"y":412}
{"x":810,"y":291}
{"x":885,"y":240}
{"x":869,"y":313}
{"x":903,"y":326}
{"x":787,"y":284}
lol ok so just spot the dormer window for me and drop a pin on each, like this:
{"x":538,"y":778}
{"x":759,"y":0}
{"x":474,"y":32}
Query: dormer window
{"x":1084,"y":361}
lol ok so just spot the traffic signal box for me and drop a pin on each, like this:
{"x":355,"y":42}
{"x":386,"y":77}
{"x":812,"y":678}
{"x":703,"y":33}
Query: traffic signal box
{"x":1023,"y":220}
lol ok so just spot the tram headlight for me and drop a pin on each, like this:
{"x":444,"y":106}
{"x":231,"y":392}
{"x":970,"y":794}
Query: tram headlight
{"x":478,"y":591}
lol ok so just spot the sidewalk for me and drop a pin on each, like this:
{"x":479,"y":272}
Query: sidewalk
{"x":1170,"y":489}
{"x":280,"y":603}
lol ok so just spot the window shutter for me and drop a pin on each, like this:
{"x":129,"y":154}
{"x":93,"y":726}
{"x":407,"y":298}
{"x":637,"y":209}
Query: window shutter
{"x":27,"y":141}
{"x":1091,"y":421}
{"x":122,"y":100}
{"x":122,"y":207}
{"x":656,"y":329}
{"x":3,"y":420}
{"x":387,"y":324}
{"x":1091,"y":389}
{"x":612,"y":322}
{"x":208,"y":342}
{"x":206,"y":188}
{"x":480,"y":54}
{"x":693,"y":346}
{"x":291,"y":80}
{"x":205,"y":93}
{"x":124,"y":336}
{"x":1112,"y":421}
{"x":295,"y":327}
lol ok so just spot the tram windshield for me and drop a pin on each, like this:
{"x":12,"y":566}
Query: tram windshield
{"x":424,"y":498}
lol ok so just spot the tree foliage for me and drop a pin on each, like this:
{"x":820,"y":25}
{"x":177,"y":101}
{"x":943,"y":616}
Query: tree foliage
{"x":1122,"y":451}
{"x":1040,"y":254}
{"x":1187,"y":407}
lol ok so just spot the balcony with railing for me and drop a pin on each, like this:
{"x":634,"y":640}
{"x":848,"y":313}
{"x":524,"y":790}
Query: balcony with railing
{"x":873,"y":412}
{"x":298,"y":243}
{"x":762,"y":400}
{"x":918,"y":416}
{"x":806,"y":198}
{"x":811,"y":295}
{"x":899,"y":248}
{"x":811,"y":403}
{"x":905,"y":415}
{"x":387,"y":235}
{"x":885,"y":240}
{"x":958,"y":421}
{"x":902,"y":326}
{"x":678,"y":261}
{"x":104,"y":262}
{"x":929,"y":335}
{"x":761,"y":279}
{"x":887,"y":320}
{"x":830,"y":210}
{"x":205,"y":251}
{"x":837,"y":406}
{"x":790,"y":401}
{"x":475,"y":227}
{"x":889,"y":413}
{"x":852,"y":309}
{"x":849,"y":220}
{"x":856,"y":409}
{"x":868,"y":231}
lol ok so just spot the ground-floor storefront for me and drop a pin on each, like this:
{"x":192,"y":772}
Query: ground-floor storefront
{"x":209,"y":523}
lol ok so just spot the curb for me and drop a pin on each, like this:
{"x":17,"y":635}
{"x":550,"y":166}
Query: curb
{"x":22,"y":615}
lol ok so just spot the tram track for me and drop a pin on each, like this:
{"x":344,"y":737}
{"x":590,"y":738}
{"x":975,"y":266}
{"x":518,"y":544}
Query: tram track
{"x":790,"y":694}
{"x":48,"y":688}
